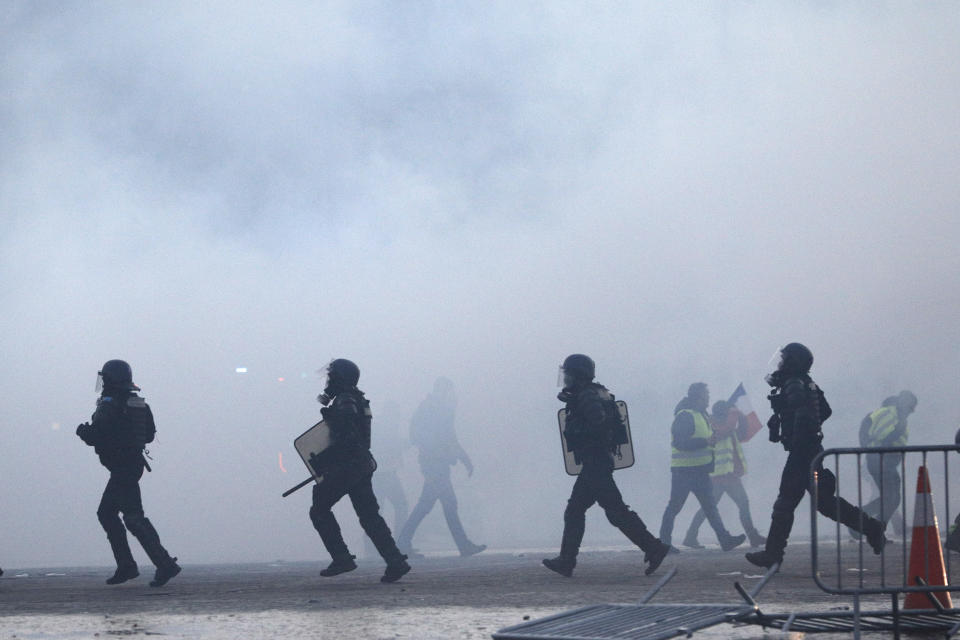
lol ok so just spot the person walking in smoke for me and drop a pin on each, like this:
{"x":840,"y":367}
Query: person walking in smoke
{"x":729,"y":426}
{"x":799,"y":410}
{"x":432,"y":431}
{"x":119,"y":431}
{"x":886,"y":427}
{"x":592,"y":419}
{"x":347,"y":468}
{"x":691,"y":462}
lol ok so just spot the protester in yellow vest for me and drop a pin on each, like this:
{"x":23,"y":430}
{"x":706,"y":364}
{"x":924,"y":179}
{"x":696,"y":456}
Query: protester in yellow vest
{"x":886,"y":427}
{"x":691,"y":463}
{"x":729,"y":465}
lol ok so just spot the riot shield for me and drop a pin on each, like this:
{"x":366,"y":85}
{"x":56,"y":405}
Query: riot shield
{"x":310,"y":444}
{"x":622,"y":461}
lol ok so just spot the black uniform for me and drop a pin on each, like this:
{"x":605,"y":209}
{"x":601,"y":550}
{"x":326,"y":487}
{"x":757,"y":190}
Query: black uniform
{"x":592,"y":418}
{"x":347,"y":467}
{"x":432,"y":430}
{"x":119,"y":430}
{"x":799,"y":410}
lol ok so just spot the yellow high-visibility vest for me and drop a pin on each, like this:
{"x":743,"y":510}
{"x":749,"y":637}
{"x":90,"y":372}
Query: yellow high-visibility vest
{"x":724,"y":452}
{"x":695,"y":457}
{"x":883,"y":421}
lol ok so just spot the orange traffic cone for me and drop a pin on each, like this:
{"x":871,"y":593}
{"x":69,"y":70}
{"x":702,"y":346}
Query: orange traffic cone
{"x":926,"y":556}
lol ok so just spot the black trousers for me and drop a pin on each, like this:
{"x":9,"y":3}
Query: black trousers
{"x":436,"y":487}
{"x":794,"y":483}
{"x":595,"y":484}
{"x":358,"y":485}
{"x":682,"y":484}
{"x":122,"y":495}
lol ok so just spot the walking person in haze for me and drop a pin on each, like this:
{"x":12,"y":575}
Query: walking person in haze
{"x":119,"y":430}
{"x":592,"y":418}
{"x":432,"y":431}
{"x":730,"y":465}
{"x":691,"y":462}
{"x":886,"y":427}
{"x":799,"y":410}
{"x":347,"y":468}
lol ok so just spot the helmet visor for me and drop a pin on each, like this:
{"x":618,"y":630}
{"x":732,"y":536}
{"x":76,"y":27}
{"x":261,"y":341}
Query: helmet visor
{"x":99,"y":386}
{"x":776,"y":360}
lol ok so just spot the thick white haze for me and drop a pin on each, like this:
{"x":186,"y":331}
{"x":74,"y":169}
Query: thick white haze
{"x":470,"y":189}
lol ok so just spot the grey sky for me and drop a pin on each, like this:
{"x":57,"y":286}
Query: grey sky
{"x":462,"y":189}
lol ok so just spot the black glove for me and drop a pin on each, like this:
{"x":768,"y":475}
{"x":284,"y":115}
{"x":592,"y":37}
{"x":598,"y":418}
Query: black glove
{"x":83,"y":431}
{"x":773,"y":424}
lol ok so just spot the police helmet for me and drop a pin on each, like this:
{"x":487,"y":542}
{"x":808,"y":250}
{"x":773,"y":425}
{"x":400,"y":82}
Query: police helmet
{"x":116,"y":374}
{"x":579,"y":366}
{"x":795,"y":358}
{"x":343,"y":373}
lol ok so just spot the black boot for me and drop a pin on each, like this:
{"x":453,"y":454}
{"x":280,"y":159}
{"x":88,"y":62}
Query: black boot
{"x":561,"y":564}
{"x":340,"y":564}
{"x":655,"y":557}
{"x":764,"y":558}
{"x":126,"y":565}
{"x":397,"y":567}
{"x":165,"y":573}
{"x":124,"y":573}
{"x":876,"y":535}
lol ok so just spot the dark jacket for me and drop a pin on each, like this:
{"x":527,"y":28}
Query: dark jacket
{"x":799,"y":408}
{"x":121,"y":426}
{"x":591,"y":416}
{"x":349,"y":419}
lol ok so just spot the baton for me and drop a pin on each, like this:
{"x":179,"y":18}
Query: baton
{"x":298,"y":487}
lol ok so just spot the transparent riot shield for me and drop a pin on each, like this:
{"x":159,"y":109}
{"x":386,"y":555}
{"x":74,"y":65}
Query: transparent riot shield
{"x":621,"y":460}
{"x":310,"y":445}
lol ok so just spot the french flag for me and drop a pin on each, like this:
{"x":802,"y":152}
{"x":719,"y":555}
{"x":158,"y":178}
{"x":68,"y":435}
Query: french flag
{"x":741,"y":401}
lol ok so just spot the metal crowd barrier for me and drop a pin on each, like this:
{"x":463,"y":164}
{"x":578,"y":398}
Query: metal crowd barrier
{"x":848,"y":565}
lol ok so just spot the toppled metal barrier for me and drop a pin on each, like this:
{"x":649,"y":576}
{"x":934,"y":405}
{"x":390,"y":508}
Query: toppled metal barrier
{"x":641,"y":621}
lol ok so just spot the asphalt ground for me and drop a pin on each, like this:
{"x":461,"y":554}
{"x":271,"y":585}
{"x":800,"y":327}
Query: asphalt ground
{"x":442,"y":597}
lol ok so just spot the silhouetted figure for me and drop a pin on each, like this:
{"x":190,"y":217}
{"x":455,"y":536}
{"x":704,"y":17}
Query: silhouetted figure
{"x":691,"y":462}
{"x":886,"y":427}
{"x":347,"y":468}
{"x":729,"y":426}
{"x":119,"y":431}
{"x":432,"y":431}
{"x":592,"y":420}
{"x":799,"y":410}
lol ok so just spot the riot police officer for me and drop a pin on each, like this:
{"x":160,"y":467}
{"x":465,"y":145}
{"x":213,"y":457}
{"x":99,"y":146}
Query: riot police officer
{"x":799,"y":410}
{"x":592,"y":420}
{"x":119,"y":430}
{"x":347,"y":468}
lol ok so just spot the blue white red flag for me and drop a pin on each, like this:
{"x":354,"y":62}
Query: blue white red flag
{"x":741,"y":401}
